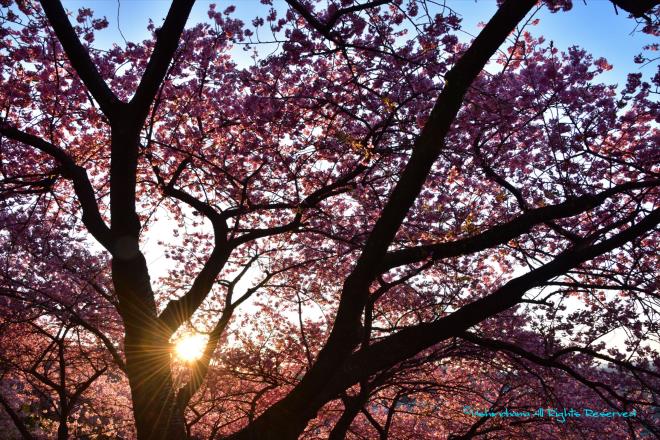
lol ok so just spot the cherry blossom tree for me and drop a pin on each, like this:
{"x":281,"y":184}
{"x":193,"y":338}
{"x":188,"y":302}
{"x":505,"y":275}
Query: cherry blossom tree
{"x":58,"y":328}
{"x":381,"y":231}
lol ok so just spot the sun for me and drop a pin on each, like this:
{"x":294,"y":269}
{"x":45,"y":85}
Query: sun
{"x":190,"y":347}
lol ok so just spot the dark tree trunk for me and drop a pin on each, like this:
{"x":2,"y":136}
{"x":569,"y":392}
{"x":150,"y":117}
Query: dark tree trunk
{"x":156,"y":415}
{"x":147,"y":348}
{"x":63,"y":429}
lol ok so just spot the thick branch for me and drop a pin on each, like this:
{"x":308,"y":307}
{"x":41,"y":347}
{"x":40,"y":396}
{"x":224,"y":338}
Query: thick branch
{"x":170,"y":189}
{"x":79,"y":57}
{"x":268,"y":232}
{"x":179,"y":311}
{"x":91,"y":216}
{"x":502,"y":233}
{"x":408,"y":342}
{"x":166,"y":44}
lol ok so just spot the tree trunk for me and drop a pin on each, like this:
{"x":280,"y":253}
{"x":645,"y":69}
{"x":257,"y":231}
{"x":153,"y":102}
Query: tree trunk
{"x":147,"y":347}
{"x":63,"y":429}
{"x":157,"y":417}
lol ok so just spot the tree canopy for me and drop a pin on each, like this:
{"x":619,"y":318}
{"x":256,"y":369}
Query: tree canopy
{"x":381,"y":230}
